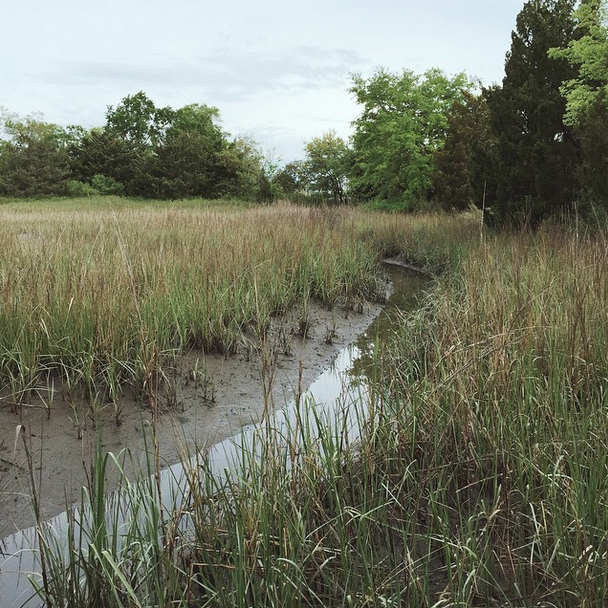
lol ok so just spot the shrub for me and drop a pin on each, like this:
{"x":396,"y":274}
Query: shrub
{"x":107,"y":185}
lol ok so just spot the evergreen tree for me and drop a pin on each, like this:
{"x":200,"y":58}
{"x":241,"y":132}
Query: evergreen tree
{"x":34,"y":161}
{"x":105,"y":158}
{"x":538,"y":168}
{"x":462,"y":164}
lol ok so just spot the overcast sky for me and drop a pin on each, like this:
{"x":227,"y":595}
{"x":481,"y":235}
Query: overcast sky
{"x":278,"y":71}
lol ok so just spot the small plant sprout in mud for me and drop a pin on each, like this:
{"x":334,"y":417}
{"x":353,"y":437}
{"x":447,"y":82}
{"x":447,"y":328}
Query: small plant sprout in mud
{"x":330,"y":334}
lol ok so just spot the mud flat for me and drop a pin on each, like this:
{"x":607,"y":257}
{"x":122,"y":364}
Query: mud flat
{"x":211,"y":398}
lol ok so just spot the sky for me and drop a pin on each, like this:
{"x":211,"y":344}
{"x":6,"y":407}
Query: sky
{"x":278,"y":71}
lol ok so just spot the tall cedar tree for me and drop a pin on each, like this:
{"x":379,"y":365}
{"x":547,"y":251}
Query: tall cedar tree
{"x":459,"y":179}
{"x":539,"y":158}
{"x":34,"y":162}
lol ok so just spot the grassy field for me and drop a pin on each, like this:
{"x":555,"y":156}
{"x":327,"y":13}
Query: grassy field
{"x":97,"y":293}
{"x":481,"y":478}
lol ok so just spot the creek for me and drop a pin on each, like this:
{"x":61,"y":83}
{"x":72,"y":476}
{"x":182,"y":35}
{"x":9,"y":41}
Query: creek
{"x":331,"y":395}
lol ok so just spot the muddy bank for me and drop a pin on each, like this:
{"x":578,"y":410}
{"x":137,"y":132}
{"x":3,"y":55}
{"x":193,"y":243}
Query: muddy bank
{"x":210,"y":398}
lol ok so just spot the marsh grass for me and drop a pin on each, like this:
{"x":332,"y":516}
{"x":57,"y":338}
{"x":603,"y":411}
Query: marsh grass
{"x":99,"y":294}
{"x":504,"y":374}
{"x":480,"y":476}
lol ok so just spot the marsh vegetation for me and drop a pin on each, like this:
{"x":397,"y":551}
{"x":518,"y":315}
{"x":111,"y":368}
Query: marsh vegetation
{"x":480,"y":474}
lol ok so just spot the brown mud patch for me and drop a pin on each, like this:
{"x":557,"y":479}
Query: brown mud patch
{"x":209,"y":398}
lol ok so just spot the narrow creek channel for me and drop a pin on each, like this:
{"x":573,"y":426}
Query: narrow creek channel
{"x":330,"y":394}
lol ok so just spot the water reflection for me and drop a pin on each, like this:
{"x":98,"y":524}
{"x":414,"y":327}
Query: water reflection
{"x":407,"y":289}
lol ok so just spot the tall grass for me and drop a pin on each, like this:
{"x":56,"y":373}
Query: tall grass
{"x":480,"y":477}
{"x":502,"y":383}
{"x":101,"y":294}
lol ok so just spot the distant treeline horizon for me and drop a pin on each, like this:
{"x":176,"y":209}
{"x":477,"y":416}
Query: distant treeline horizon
{"x":533,"y":147}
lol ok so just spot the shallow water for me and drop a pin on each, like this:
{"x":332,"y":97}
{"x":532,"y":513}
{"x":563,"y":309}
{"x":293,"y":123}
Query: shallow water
{"x":332,"y":395}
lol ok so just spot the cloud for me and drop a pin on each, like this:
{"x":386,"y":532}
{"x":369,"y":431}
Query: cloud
{"x":224,"y":75}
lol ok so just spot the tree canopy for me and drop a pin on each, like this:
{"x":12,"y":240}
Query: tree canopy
{"x":402,"y":124}
{"x":327,"y":166}
{"x":34,"y":161}
{"x":538,"y":154}
{"x":588,"y":54}
{"x":142,"y":150}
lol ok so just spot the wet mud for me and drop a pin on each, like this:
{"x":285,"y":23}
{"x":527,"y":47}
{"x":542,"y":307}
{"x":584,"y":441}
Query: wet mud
{"x":208,"y":398}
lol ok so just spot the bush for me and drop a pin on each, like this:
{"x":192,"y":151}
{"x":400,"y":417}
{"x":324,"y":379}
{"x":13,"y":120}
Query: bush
{"x":104,"y":184}
{"x":77,"y":189}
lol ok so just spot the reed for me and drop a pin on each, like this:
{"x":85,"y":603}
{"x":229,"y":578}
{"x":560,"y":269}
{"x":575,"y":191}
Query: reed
{"x":101,"y":294}
{"x":479,"y":476}
{"x":502,"y":377}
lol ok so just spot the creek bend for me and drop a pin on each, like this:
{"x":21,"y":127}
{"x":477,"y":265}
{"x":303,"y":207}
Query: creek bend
{"x":331,"y":396}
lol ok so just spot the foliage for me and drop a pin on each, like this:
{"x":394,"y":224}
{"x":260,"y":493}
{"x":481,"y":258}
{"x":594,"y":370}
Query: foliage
{"x":102,"y":154}
{"x":246,"y":173}
{"x":34,"y":161}
{"x":137,"y":120}
{"x":143,"y":151}
{"x":459,"y":179}
{"x":291,"y":178}
{"x":77,"y":189}
{"x":185,"y":161}
{"x":587,"y":95}
{"x":327,"y":166}
{"x":403,"y":123}
{"x":588,"y":52}
{"x":538,"y":155}
{"x":154,"y":152}
{"x":104,"y":184}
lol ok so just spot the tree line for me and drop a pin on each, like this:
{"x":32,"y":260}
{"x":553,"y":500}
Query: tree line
{"x":142,"y":151}
{"x":534,"y":146}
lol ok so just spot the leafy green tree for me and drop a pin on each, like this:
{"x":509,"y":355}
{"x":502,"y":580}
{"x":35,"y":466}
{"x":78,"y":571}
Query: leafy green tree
{"x":327,"y":166}
{"x":588,"y":54}
{"x":538,"y":168}
{"x":245,"y":172}
{"x":34,"y":159}
{"x":186,"y":162}
{"x":137,"y":130}
{"x":137,"y":120}
{"x":403,"y":123}
{"x":587,"y":94}
{"x":291,"y":178}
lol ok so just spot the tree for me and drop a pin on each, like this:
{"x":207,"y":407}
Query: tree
{"x":586,"y":94}
{"x":588,"y":54}
{"x":327,"y":166}
{"x":291,"y":178}
{"x":462,"y":164}
{"x":538,"y":168}
{"x":402,"y":124}
{"x":185,"y":160}
{"x":34,"y":160}
{"x":246,"y":172}
{"x":137,"y":120}
{"x":137,"y":129}
{"x":105,"y":158}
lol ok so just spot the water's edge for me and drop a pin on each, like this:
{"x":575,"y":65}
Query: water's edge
{"x":330,"y":394}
